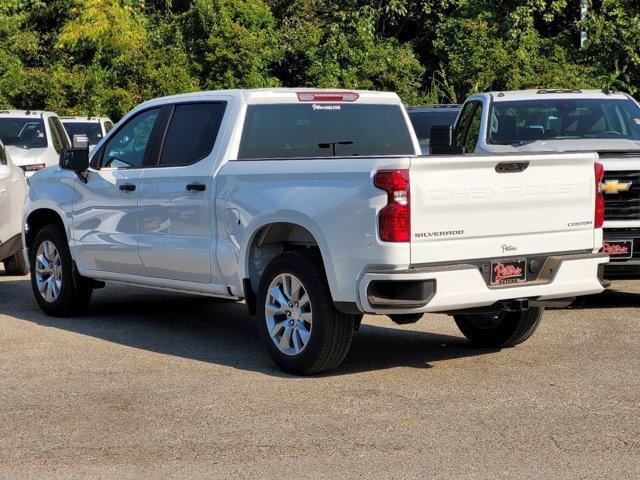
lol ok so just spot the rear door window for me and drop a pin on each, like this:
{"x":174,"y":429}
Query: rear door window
{"x":324,"y":130}
{"x":192,"y":132}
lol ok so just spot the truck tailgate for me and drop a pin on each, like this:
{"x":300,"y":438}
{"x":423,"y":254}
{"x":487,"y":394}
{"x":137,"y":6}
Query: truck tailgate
{"x":473,"y":207}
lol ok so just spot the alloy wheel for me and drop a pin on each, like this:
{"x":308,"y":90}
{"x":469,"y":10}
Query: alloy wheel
{"x":288,"y":314}
{"x":48,"y":271}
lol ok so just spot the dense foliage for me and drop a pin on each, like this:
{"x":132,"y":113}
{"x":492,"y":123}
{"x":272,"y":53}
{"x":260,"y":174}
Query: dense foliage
{"x":105,"y":56}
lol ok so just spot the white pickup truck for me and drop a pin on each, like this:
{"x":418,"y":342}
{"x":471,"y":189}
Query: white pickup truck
{"x":33,"y":138}
{"x":602,"y":121}
{"x":314,"y":207}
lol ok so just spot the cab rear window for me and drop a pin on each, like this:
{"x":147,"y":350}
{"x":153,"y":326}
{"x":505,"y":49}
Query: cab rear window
{"x":324,"y":130}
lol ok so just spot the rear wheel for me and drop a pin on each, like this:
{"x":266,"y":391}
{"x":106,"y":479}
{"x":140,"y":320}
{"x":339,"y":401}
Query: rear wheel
{"x":15,"y":265}
{"x":501,"y":329}
{"x":299,"y":325}
{"x":52,"y":278}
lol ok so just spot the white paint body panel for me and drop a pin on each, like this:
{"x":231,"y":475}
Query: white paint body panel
{"x":493,"y":211}
{"x":13,"y":192}
{"x":165,"y":237}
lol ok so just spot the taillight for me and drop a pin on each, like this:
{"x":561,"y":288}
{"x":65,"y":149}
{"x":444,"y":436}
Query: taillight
{"x":394,"y":220}
{"x":327,"y":96}
{"x":599,"y":209}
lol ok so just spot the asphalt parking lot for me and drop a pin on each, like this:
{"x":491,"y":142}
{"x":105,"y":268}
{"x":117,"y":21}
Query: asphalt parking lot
{"x":153,"y":385}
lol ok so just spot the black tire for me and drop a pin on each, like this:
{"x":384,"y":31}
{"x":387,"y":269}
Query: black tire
{"x":15,"y":265}
{"x":331,"y":330}
{"x":75,"y":294}
{"x":501,"y":330}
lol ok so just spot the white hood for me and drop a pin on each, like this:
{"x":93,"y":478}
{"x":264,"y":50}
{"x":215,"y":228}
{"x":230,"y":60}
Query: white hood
{"x":25,"y":156}
{"x":571,"y":145}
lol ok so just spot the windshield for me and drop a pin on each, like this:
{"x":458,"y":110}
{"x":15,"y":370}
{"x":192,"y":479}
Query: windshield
{"x":90,"y":129}
{"x":520,"y":122}
{"x":324,"y":130}
{"x":423,"y":121}
{"x":23,"y":132}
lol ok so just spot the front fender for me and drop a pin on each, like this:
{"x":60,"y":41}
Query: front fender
{"x":51,"y":189}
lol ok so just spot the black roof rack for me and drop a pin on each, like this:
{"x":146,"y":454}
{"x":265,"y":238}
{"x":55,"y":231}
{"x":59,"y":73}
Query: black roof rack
{"x":559,"y":90}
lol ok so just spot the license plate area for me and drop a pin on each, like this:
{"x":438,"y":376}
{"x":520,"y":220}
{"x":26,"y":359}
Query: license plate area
{"x":618,"y":248}
{"x":508,"y":272}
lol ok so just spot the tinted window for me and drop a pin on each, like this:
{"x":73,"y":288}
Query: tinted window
{"x":530,"y":120}
{"x":462,"y":124}
{"x":61,"y":132}
{"x":423,"y":121}
{"x":90,"y":129}
{"x":324,"y":130}
{"x":474,"y":130}
{"x":191,"y":134}
{"x":107,"y":126}
{"x":23,"y":132}
{"x":55,"y":136}
{"x":127,"y":147}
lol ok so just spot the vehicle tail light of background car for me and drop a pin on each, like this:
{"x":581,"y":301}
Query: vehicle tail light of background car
{"x":599,"y":208}
{"x":328,"y":96}
{"x":394,"y":220}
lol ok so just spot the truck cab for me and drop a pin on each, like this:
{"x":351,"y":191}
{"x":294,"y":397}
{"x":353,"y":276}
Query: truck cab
{"x":93,"y":128}
{"x":33,"y":138}
{"x":602,"y":121}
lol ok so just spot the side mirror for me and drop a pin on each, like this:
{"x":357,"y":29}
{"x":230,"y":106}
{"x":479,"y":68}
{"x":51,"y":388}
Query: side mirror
{"x":74,"y":159}
{"x":80,"y":141}
{"x":5,"y":171}
{"x":441,"y":136}
{"x":441,"y":141}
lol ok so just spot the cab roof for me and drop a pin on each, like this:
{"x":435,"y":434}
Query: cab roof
{"x":279,"y":95}
{"x":555,"y":94}
{"x":85,"y":119}
{"x":25,"y":113}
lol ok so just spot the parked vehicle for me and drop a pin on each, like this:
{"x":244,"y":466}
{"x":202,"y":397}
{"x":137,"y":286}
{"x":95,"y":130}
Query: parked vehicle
{"x":314,"y":208}
{"x":425,"y":116}
{"x":604,"y":121}
{"x":94,"y":128}
{"x":34,"y":139}
{"x":13,"y":192}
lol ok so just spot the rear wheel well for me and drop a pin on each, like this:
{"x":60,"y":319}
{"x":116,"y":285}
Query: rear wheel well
{"x":37,"y":220}
{"x":269,"y":242}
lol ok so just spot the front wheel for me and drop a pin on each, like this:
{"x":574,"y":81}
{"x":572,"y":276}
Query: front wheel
{"x":57,"y":292}
{"x":501,"y":329}
{"x":299,"y":325}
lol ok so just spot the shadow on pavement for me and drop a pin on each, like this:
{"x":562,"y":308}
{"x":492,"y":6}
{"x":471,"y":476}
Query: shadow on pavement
{"x":608,"y":299}
{"x":220,"y":332}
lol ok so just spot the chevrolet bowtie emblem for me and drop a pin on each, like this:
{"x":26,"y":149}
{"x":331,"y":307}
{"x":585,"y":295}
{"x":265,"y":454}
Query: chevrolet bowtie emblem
{"x":615,"y":186}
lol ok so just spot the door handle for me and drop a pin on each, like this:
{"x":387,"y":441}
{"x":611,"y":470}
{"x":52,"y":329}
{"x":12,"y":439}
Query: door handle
{"x":511,"y":167}
{"x":127,"y":187}
{"x":196,"y":187}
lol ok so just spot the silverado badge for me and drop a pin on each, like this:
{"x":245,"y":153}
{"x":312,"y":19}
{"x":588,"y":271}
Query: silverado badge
{"x":615,"y":186}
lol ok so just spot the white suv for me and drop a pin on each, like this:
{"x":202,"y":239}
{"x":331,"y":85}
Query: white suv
{"x":13,"y":191}
{"x":95,"y":128}
{"x":34,"y":139}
